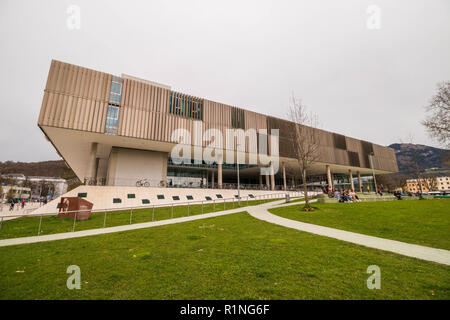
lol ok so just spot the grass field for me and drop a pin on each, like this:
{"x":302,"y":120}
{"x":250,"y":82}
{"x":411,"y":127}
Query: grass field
{"x":228,"y":257}
{"x":424,"y":222}
{"x":28,"y":226}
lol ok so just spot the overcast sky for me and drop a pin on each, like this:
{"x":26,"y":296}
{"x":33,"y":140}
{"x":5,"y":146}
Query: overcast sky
{"x":363,"y":82}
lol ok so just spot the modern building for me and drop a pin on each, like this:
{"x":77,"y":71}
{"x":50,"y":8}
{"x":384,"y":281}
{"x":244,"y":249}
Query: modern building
{"x":427,"y":184}
{"x":119,"y":131}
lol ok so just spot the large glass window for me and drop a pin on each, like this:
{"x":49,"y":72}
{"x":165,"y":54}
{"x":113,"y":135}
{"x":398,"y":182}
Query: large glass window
{"x":116,"y":90}
{"x":112,"y":119}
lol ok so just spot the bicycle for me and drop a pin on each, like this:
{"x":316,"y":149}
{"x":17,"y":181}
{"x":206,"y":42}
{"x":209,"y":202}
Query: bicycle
{"x":142,"y":183}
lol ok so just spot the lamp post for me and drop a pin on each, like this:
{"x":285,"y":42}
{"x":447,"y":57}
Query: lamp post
{"x":373,"y":172}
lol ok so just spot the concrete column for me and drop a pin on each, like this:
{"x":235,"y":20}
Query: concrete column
{"x":284,"y":177}
{"x":359,"y":181}
{"x":92,"y":167}
{"x":272,"y":178}
{"x":267,"y":181}
{"x":219,"y":175}
{"x":350,"y":175}
{"x":207,"y":179}
{"x":212,"y":179}
{"x":330,"y":180}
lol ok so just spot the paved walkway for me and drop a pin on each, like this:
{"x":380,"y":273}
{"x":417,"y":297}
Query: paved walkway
{"x":93,"y":232}
{"x":260,"y":212}
{"x":411,"y":250}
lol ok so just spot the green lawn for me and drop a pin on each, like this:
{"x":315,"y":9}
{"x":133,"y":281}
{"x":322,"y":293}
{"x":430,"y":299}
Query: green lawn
{"x":228,"y":257}
{"x":424,"y":222}
{"x":28,"y":226}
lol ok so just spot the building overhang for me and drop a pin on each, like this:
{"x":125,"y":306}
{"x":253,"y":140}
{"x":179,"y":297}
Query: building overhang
{"x":74,"y":146}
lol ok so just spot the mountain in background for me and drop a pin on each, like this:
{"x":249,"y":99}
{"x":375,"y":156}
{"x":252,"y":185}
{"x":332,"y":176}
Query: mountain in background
{"x":428,"y":157}
{"x":56,"y":168}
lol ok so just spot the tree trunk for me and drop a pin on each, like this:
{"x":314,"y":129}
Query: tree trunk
{"x":305,"y":188}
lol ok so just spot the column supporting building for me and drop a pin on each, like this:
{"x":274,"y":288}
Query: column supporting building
{"x":219,"y":175}
{"x":284,"y":176}
{"x":272,"y":178}
{"x":359,"y":181}
{"x":330,"y":180}
{"x":350,"y":176}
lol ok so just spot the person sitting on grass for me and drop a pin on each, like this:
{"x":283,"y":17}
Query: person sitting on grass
{"x":354,"y":195}
{"x":337,"y":195}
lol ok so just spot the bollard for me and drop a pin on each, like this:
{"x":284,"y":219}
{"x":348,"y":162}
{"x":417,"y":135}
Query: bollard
{"x":75,"y":219}
{"x":131,"y":214}
{"x":153,"y":213}
{"x":104,"y":220}
{"x":40,"y":222}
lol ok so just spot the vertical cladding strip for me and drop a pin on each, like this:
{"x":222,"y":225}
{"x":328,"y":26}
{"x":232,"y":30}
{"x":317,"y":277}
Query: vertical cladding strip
{"x":153,"y":113}
{"x":136,"y":109}
{"x":44,"y":105}
{"x":132,"y":109}
{"x":74,"y":106}
{"x":129,"y":111}
{"x":146,"y":112}
{"x":60,"y":90}
{"x":148,"y":123}
{"x":141,"y":110}
{"x":67,"y":98}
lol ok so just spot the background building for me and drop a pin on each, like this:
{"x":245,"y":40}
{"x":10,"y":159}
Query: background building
{"x":427,"y":184}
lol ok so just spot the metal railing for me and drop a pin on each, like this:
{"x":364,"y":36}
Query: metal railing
{"x":215,"y":202}
{"x":190,"y":182}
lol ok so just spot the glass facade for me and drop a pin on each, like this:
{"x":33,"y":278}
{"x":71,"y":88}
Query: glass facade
{"x":112,"y":119}
{"x":115,"y":97}
{"x":115,"y":94}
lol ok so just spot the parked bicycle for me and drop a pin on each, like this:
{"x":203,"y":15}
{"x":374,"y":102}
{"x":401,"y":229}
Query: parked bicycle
{"x":142,"y":183}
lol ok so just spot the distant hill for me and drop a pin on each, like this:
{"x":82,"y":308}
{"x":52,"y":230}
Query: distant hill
{"x":56,"y":168}
{"x":429,"y":157}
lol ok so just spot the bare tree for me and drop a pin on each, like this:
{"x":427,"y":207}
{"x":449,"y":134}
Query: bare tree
{"x":438,"y":120}
{"x":304,"y":137}
{"x":430,"y":182}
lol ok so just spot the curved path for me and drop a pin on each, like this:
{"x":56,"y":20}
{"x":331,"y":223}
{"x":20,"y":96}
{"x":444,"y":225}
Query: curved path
{"x":411,"y":250}
{"x":260,"y":212}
